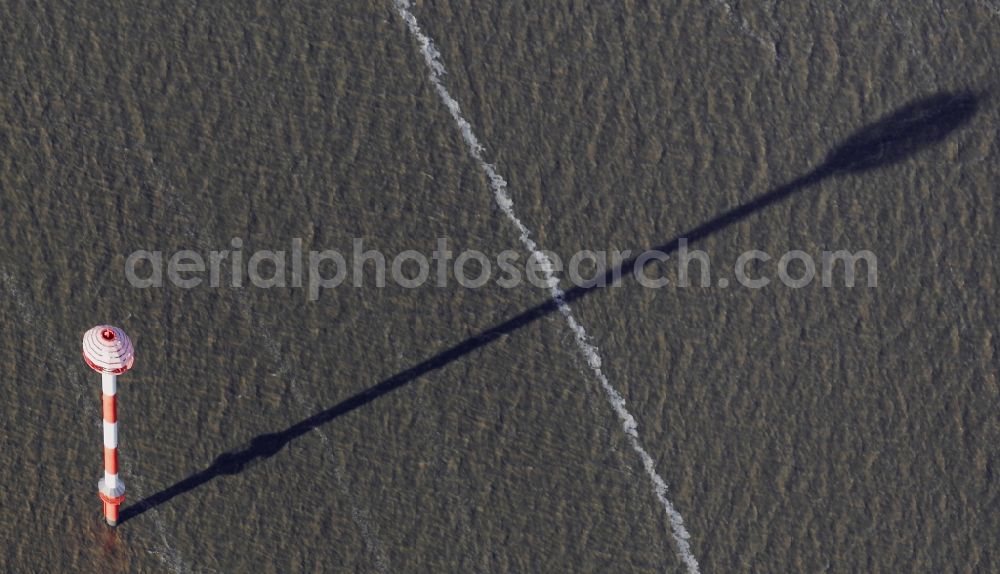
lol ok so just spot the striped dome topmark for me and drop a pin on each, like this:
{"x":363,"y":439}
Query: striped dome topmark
{"x":108,"y":349}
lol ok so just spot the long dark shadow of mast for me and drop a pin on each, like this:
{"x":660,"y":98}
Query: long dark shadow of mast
{"x":893,"y":138}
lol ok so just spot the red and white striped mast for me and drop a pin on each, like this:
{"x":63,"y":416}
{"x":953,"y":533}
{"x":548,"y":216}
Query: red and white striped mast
{"x":108,"y":351}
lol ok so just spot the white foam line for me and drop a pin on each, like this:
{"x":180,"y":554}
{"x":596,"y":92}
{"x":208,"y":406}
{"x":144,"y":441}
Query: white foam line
{"x":989,"y":6}
{"x":746,"y":30}
{"x":358,"y":515}
{"x":589,"y":351}
{"x":168,"y":555}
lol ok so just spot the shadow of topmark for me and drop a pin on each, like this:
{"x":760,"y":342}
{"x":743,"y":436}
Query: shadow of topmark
{"x":893,"y":138}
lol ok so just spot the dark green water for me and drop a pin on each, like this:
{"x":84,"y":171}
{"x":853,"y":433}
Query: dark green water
{"x":799,"y":430}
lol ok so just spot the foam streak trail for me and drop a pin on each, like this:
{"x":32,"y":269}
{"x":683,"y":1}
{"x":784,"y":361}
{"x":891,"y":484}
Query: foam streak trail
{"x":29,"y":315}
{"x":358,"y":515}
{"x":589,"y":351}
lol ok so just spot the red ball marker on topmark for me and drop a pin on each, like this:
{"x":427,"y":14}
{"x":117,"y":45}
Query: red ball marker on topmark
{"x":108,"y":351}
